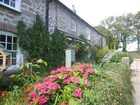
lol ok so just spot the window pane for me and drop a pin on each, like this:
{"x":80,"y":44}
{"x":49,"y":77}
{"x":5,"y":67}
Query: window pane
{"x":13,"y":54}
{"x":13,"y":61}
{"x":3,"y":44}
{"x":1,"y":61}
{"x":9,"y":39}
{"x":2,"y":38}
{"x":9,"y":46}
{"x":14,"y":40}
{"x":12,"y":3}
{"x":14,"y":46}
{"x":6,"y":2}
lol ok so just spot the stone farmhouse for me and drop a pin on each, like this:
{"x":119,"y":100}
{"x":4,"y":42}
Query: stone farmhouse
{"x":54,"y":14}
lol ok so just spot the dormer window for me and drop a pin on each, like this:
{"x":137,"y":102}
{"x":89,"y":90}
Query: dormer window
{"x":12,"y":4}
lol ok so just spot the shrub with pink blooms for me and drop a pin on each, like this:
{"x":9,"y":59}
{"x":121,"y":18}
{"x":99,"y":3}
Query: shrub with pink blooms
{"x":62,"y":87}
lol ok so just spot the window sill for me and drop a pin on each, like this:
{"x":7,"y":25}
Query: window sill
{"x":9,"y":7}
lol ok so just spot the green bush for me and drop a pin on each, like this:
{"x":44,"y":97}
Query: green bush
{"x":119,"y":55}
{"x":112,"y":85}
{"x":101,"y":52}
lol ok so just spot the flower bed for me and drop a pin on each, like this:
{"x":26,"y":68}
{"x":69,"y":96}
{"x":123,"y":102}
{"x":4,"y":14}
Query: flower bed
{"x":62,"y":86}
{"x":78,"y":85}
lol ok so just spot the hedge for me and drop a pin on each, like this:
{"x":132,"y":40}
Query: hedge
{"x":112,"y":85}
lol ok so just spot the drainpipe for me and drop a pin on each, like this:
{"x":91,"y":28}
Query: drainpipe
{"x":47,"y":14}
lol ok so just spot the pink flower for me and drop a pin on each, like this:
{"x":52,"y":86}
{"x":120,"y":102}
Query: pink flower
{"x":87,"y":83}
{"x":88,"y":72}
{"x":42,"y":100}
{"x":33,"y":95}
{"x":82,"y":66}
{"x":74,"y":79}
{"x":77,"y":93}
{"x":66,"y":80}
{"x":64,"y":103}
{"x":85,"y":75}
{"x":47,"y":87}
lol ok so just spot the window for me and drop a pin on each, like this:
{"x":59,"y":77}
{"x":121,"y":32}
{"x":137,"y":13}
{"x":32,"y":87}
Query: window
{"x":9,"y":41}
{"x":12,"y":4}
{"x":73,"y":25}
{"x":87,"y":30}
{"x":102,"y":41}
{"x":1,"y":61}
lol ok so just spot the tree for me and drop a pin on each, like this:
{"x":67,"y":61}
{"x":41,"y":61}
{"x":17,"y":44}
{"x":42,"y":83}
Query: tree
{"x":120,"y":28}
{"x":111,"y":41}
{"x":137,"y":29}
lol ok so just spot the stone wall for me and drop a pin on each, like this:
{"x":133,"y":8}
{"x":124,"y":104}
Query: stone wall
{"x":67,"y":21}
{"x":9,"y":19}
{"x":59,"y":16}
{"x":29,"y":8}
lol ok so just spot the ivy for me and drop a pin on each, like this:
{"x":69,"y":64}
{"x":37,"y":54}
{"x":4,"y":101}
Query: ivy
{"x":40,"y":45}
{"x":50,"y":47}
{"x":58,"y":44}
{"x":35,"y":39}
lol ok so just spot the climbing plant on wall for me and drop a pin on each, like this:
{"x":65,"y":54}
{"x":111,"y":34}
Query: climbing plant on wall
{"x":82,"y":48}
{"x":57,"y":48}
{"x":40,"y":44}
{"x":34,"y":39}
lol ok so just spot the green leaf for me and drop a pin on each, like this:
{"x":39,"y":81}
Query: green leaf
{"x":37,"y":66}
{"x":40,"y":61}
{"x":73,"y":102}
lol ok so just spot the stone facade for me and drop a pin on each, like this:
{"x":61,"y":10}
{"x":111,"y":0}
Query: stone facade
{"x":67,"y":21}
{"x":29,"y":8}
{"x":59,"y":16}
{"x":10,"y":17}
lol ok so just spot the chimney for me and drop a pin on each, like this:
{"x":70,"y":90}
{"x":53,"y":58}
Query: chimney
{"x":73,"y":9}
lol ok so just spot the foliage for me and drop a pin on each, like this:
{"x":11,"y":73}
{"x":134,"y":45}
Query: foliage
{"x":62,"y":86}
{"x":101,"y":52}
{"x":112,"y":85}
{"x":118,"y":28}
{"x":35,"y":39}
{"x":136,"y":28}
{"x":111,"y":41}
{"x":82,"y":48}
{"x":77,"y":85}
{"x":119,"y":55}
{"x":58,"y":44}
{"x":18,"y":84}
{"x":40,"y":45}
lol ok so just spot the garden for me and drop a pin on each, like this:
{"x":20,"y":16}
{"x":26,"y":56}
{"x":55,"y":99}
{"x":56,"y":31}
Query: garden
{"x":43,"y":79}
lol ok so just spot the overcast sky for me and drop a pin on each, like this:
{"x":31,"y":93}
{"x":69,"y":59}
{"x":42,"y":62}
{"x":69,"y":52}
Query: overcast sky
{"x":93,"y":11}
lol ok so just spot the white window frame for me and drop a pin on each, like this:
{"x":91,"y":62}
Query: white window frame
{"x":88,"y":33}
{"x":12,"y":35}
{"x":17,"y":5}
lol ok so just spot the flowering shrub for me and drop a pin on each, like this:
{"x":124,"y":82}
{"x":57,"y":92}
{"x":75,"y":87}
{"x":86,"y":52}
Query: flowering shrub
{"x":61,"y":86}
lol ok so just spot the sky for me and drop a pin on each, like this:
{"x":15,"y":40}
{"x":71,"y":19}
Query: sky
{"x":94,"y":11}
